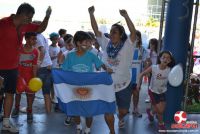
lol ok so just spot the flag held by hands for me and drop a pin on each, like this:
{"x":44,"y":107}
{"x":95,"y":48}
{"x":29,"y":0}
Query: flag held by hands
{"x":84,"y":94}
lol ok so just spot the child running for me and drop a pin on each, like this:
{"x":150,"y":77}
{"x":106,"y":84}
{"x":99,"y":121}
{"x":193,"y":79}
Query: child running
{"x":152,"y":56}
{"x":158,"y":86}
{"x":81,"y":60}
{"x":27,"y":70}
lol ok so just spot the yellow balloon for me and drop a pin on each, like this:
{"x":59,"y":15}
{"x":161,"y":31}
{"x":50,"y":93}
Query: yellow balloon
{"x":35,"y":84}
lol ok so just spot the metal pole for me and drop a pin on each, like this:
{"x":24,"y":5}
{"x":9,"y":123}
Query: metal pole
{"x":191,"y":53}
{"x":161,"y":25}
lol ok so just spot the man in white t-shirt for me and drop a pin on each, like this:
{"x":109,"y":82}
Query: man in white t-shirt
{"x":44,"y":71}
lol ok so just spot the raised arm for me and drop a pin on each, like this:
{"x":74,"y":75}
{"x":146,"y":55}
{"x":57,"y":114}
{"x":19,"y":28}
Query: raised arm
{"x":130,"y":24}
{"x":93,"y":21}
{"x":148,"y":70}
{"x":44,"y":23}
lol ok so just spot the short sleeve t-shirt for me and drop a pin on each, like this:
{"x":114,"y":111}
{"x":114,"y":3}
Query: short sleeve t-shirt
{"x":11,"y":42}
{"x":159,"y":79}
{"x":26,"y":62}
{"x":121,"y":65}
{"x":83,"y":63}
{"x":43,"y":42}
{"x":53,"y":52}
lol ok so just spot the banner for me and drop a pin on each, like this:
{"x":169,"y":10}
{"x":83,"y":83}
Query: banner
{"x":84,"y":94}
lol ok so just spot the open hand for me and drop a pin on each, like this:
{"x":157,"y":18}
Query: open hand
{"x":91,"y":9}
{"x":48,"y":12}
{"x":123,"y":13}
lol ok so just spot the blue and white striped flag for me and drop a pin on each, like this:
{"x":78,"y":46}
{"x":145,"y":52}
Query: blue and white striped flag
{"x":84,"y":94}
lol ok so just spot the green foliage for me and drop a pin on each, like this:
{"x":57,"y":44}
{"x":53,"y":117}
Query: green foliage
{"x":194,"y":108}
{"x":151,"y":22}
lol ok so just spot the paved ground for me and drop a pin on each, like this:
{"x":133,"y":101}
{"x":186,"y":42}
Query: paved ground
{"x":53,"y":123}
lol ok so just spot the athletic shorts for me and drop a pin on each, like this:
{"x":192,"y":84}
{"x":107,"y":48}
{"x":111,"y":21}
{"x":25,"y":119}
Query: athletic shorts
{"x":10,"y":80}
{"x":156,"y":98}
{"x":123,"y":98}
{"x":45,"y":75}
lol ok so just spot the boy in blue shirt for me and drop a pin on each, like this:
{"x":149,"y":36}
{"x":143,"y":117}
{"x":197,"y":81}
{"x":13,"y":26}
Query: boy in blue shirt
{"x":81,"y":60}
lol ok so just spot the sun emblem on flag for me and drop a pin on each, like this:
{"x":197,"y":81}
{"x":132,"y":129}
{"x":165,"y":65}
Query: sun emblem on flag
{"x":82,"y":92}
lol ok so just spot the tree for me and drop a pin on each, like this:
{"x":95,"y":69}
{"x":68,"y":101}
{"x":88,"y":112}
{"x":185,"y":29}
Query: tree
{"x":151,"y":22}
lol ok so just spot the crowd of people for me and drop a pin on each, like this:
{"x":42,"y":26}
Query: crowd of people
{"x":119,"y":54}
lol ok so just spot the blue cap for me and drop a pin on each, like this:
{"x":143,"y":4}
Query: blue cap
{"x":54,"y":34}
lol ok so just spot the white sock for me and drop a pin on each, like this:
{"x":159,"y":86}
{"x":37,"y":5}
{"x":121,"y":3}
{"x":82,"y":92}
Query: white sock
{"x":87,"y":130}
{"x":6,"y":121}
{"x":135,"y":110}
{"x":79,"y":126}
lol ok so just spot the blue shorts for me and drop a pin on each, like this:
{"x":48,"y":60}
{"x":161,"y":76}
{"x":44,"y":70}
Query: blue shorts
{"x":123,"y":98}
{"x":10,"y":81}
{"x":45,"y":75}
{"x":156,"y":98}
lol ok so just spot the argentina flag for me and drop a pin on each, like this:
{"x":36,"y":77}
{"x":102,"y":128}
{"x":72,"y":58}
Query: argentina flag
{"x":84,"y":94}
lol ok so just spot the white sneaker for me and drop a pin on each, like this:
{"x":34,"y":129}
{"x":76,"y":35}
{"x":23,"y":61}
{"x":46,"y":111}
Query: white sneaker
{"x":68,"y":121}
{"x":10,"y":128}
{"x":121,"y":123}
{"x":87,"y":131}
{"x":147,"y":100}
{"x":78,"y":129}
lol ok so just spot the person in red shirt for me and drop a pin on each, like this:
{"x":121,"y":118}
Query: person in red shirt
{"x":1,"y":82}
{"x":27,"y":70}
{"x":1,"y":97}
{"x":12,"y":29}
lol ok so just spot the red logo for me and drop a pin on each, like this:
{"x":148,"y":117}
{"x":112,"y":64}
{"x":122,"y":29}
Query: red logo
{"x":180,"y":117}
